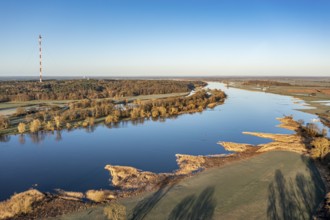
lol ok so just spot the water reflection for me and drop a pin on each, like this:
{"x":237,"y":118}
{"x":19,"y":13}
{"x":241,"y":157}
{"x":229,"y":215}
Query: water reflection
{"x":21,"y":139}
{"x":4,"y":138}
{"x":58,"y":136}
{"x":38,"y":137}
{"x":90,"y":129}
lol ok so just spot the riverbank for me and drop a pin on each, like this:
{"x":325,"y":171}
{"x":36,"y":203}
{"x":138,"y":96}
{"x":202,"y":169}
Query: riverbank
{"x":316,"y":94}
{"x":133,"y":182}
{"x":239,"y":190}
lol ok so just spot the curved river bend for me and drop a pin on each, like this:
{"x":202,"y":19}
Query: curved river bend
{"x":75,"y":160}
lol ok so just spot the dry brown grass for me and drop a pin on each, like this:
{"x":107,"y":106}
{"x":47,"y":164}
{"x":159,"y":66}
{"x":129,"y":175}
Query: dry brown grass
{"x":321,"y":147}
{"x":70,"y":195}
{"x":288,"y":142}
{"x":189,"y":163}
{"x":96,"y":195}
{"x":21,"y":127}
{"x":287,"y":122}
{"x":236,"y":147}
{"x":131,"y":178}
{"x":99,"y":195}
{"x":20,"y":203}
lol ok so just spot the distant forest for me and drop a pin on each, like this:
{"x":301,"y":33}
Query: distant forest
{"x":89,"y":89}
{"x":265,"y":83}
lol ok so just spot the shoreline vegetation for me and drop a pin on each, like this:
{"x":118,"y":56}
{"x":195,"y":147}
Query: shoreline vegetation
{"x":306,"y":140}
{"x":87,"y":112}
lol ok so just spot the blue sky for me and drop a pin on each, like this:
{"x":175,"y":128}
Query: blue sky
{"x":166,"y":37}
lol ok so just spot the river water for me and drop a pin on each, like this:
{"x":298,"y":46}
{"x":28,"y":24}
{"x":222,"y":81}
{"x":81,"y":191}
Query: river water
{"x":74,"y":160}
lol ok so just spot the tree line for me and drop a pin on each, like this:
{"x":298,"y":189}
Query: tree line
{"x":265,"y":83}
{"x":84,"y":113}
{"x":90,"y":89}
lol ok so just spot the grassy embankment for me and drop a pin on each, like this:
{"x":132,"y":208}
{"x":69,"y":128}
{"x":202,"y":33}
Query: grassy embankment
{"x":240,"y":190}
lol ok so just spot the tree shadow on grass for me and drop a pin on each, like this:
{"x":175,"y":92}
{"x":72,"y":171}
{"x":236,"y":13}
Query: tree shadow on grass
{"x":195,"y":208}
{"x":191,"y":207}
{"x":295,"y":198}
{"x":147,"y":204}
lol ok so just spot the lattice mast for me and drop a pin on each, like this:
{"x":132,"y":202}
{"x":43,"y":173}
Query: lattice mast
{"x":40,"y":58}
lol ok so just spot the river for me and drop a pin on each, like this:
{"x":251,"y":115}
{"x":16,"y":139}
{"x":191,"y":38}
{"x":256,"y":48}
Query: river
{"x":74,"y":160}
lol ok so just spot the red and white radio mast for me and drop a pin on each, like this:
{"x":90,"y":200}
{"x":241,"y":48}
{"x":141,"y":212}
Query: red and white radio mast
{"x":40,"y":58}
